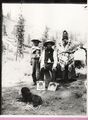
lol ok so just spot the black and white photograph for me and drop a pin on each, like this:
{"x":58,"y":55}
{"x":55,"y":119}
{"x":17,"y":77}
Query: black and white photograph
{"x":44,"y":59}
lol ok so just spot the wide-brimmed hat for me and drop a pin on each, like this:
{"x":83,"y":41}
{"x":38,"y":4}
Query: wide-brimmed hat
{"x":33,"y":40}
{"x":49,"y":41}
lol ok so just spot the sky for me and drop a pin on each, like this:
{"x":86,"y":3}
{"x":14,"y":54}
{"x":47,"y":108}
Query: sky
{"x":71,"y":17}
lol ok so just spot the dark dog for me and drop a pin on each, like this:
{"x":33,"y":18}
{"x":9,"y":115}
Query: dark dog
{"x":29,"y":97}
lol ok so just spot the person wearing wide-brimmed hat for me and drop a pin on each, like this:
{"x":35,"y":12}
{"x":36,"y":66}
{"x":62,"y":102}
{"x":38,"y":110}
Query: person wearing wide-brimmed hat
{"x":48,"y":60}
{"x":35,"y":56}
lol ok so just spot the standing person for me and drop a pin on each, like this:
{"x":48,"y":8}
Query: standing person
{"x":48,"y":60}
{"x":65,"y":58}
{"x":35,"y":60}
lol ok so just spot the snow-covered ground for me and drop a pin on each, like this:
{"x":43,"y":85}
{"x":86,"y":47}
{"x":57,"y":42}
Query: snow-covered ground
{"x":16,"y":71}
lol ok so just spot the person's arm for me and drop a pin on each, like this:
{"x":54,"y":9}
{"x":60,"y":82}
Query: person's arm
{"x":72,"y":48}
{"x":42,"y":59}
{"x":31,"y":57}
{"x":55,"y":58}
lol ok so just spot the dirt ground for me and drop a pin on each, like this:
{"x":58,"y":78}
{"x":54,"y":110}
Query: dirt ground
{"x":68,"y":99}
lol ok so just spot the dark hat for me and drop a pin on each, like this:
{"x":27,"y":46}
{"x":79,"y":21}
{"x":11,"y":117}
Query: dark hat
{"x":65,"y":31}
{"x":33,"y":40}
{"x":49,"y":41}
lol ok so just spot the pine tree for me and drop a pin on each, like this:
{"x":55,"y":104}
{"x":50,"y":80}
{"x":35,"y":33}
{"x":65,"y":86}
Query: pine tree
{"x":20,"y":36}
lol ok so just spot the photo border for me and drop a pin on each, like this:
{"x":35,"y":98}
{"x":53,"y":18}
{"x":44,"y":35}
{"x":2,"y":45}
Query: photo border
{"x":13,"y":117}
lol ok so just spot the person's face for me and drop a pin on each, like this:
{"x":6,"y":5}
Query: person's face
{"x":65,"y":34}
{"x":49,"y":45}
{"x":36,"y":43}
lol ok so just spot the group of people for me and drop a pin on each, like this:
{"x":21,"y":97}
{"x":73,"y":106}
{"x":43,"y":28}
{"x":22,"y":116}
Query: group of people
{"x":50,"y":59}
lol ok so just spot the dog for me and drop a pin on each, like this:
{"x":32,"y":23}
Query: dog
{"x":27,"y":96}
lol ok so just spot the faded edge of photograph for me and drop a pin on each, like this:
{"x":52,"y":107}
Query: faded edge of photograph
{"x":44,"y":59}
{"x":48,"y":1}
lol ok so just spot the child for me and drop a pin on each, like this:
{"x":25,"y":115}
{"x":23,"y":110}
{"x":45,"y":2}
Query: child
{"x":48,"y":60}
{"x":35,"y":56}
